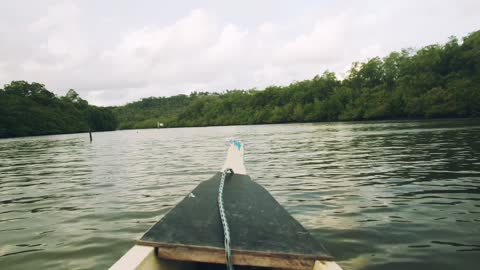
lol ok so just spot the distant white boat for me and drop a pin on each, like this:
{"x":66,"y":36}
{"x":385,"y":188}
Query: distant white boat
{"x":159,"y":125}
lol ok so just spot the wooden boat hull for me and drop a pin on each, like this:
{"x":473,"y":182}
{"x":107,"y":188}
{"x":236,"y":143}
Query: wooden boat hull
{"x":146,"y":258}
{"x":263,"y":234}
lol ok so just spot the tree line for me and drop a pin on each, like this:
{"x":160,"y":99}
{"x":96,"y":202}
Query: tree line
{"x":29,"y":109}
{"x":433,"y":82}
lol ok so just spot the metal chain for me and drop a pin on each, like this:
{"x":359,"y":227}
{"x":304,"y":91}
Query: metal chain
{"x":226,"y":231}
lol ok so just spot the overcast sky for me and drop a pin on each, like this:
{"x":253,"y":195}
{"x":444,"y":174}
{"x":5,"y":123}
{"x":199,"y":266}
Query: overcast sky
{"x":114,"y":52}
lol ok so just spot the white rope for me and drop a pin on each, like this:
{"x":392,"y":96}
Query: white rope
{"x":226,"y":231}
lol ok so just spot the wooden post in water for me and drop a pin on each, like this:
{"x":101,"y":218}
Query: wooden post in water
{"x":90,"y":132}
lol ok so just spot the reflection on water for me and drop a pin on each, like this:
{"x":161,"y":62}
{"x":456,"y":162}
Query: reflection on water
{"x":385,"y":195}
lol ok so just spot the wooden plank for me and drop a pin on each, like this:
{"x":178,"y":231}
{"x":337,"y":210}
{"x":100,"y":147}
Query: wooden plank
{"x":326,"y":265}
{"x":240,"y":257}
{"x":262,"y":231}
{"x":138,"y":257}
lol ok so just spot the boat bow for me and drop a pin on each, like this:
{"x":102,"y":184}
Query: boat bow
{"x":234,"y":160}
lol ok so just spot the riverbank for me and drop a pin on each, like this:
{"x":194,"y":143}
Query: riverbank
{"x":437,"y":81}
{"x":451,"y":121}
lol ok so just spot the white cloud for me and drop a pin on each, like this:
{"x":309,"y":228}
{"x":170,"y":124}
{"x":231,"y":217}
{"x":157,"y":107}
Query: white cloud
{"x":60,"y":41}
{"x":322,"y":45}
{"x":113,"y":56}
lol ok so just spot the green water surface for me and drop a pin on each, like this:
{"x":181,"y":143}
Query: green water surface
{"x":378,"y":195}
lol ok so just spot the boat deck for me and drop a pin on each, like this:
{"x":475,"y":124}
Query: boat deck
{"x":262,"y":232}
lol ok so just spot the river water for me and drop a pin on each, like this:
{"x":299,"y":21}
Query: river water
{"x":378,"y":195}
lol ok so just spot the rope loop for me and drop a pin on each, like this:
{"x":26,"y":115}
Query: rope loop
{"x":223,"y":217}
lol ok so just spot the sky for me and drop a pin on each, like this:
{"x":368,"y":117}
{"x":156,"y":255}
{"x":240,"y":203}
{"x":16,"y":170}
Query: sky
{"x":113,"y":52}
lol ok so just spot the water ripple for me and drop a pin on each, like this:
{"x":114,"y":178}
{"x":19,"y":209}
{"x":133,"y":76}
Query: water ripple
{"x":383,"y":195}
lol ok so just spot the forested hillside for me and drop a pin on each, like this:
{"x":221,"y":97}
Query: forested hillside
{"x":147,"y":112}
{"x":435,"y":81}
{"x":28,"y":109}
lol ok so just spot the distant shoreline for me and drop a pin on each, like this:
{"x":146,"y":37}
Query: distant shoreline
{"x":439,"y":81}
{"x":268,"y":124}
